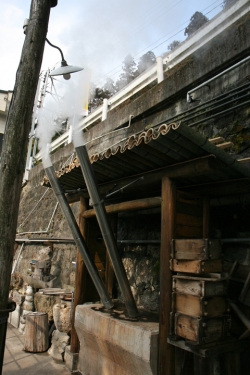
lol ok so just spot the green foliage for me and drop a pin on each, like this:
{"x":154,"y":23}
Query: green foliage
{"x":227,"y":3}
{"x":196,"y":21}
{"x":129,"y":72}
{"x":97,"y":94}
{"x":173,"y":45}
{"x":145,"y":62}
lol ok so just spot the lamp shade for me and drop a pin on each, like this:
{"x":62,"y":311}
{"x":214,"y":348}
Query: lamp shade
{"x":63,"y":70}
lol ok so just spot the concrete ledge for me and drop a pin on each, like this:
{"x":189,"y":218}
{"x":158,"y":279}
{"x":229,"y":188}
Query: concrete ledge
{"x":110,"y":344}
{"x":70,"y":359}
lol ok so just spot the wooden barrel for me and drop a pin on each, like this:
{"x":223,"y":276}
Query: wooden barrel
{"x":36,"y":336}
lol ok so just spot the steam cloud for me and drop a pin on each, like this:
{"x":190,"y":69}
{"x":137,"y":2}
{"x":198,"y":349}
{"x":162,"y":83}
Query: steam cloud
{"x":68,"y":107}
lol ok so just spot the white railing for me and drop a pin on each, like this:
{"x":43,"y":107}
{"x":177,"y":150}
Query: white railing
{"x":155,"y":73}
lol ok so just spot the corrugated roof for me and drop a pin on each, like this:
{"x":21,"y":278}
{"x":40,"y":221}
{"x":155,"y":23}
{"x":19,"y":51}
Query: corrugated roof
{"x":163,"y":146}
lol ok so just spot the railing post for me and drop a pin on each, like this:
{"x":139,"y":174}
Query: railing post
{"x":160,"y":73}
{"x":70,"y":134}
{"x":104,"y":109}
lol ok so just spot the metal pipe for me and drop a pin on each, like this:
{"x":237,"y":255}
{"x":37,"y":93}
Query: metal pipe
{"x":44,"y":239}
{"x":79,"y":240}
{"x":217,"y":76}
{"x":106,"y":230}
{"x":17,"y":259}
{"x":157,"y":242}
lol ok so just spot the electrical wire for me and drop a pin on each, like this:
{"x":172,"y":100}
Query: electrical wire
{"x":152,"y":44}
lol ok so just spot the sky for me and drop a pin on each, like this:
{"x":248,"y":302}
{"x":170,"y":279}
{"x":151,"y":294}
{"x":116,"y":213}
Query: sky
{"x":98,"y":34}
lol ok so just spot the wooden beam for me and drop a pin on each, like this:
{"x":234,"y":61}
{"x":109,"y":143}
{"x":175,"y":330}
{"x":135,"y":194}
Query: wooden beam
{"x":168,"y":219}
{"x":221,"y":188}
{"x":80,"y":279}
{"x":191,"y":168}
{"x":138,"y":204}
{"x":72,"y":198}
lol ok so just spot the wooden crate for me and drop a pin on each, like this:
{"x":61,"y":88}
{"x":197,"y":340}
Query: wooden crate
{"x":196,"y":306}
{"x":196,"y":266}
{"x":196,"y":249}
{"x":204,"y":287}
{"x":200,"y":330}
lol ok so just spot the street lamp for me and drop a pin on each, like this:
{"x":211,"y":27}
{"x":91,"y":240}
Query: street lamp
{"x":65,"y":69}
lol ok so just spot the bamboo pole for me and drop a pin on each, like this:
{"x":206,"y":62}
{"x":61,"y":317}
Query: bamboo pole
{"x":168,"y":219}
{"x":138,"y":204}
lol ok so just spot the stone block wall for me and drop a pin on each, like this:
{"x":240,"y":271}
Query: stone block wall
{"x":141,"y":261}
{"x":41,"y":217}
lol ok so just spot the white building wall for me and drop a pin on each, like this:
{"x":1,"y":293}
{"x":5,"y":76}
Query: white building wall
{"x":2,"y":123}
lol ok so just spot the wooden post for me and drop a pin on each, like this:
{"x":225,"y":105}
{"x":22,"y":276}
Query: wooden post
{"x":16,"y":136}
{"x":168,"y":219}
{"x":80,"y":278}
{"x":206,"y":217}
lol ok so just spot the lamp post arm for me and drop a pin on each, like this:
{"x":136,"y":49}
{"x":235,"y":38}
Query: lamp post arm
{"x":59,"y":49}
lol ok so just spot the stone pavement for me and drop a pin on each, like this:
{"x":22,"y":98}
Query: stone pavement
{"x":18,"y":362}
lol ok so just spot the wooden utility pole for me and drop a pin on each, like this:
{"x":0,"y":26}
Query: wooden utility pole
{"x":15,"y":144}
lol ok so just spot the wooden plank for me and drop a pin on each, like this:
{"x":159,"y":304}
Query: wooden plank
{"x":196,"y":266}
{"x":244,"y":160}
{"x":201,"y":330}
{"x":225,"y":145}
{"x":196,"y":306}
{"x":168,"y":219}
{"x":196,"y":248}
{"x":217,"y":140}
{"x":197,"y":286}
{"x":80,"y":279}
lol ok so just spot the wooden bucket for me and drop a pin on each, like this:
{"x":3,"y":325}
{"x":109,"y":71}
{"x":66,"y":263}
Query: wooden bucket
{"x":36,"y":336}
